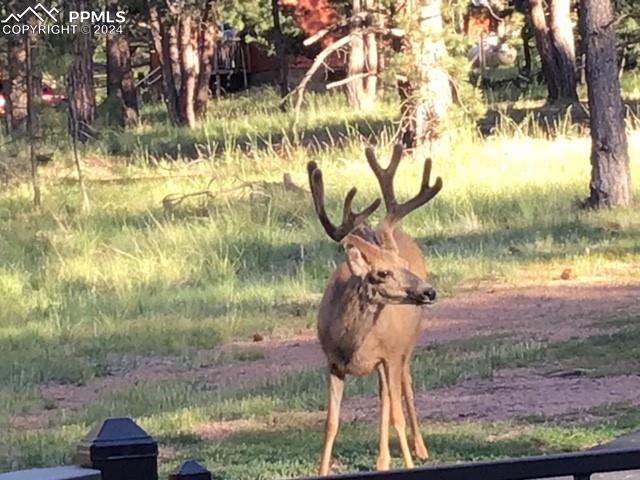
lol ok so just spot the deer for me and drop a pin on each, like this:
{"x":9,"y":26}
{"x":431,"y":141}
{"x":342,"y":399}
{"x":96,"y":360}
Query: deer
{"x":370,"y":316}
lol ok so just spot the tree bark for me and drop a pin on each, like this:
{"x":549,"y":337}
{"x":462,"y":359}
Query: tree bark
{"x":161,"y":42}
{"x":30,"y":121}
{"x":281,"y":54}
{"x":80,"y":87}
{"x":610,"y":184}
{"x":554,"y":39}
{"x":356,"y":62}
{"x":120,"y":81}
{"x":371,"y":49}
{"x":189,"y":68}
{"x":561,"y":29}
{"x":16,"y":97}
{"x":174,"y":54}
{"x":206,"y":47}
{"x":362,"y":66}
{"x":425,"y":105}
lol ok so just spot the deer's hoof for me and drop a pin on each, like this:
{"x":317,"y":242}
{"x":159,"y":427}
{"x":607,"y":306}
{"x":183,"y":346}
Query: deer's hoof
{"x":421,"y":451}
{"x":383,"y":463}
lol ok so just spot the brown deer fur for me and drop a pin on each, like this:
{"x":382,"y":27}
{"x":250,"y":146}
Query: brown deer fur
{"x":371,"y":312}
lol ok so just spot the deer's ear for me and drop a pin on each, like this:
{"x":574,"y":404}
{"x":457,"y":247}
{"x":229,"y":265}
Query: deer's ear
{"x":356,"y":261}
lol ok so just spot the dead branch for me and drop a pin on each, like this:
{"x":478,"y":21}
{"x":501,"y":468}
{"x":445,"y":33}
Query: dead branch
{"x":317,"y":63}
{"x":171,"y":201}
{"x":325,"y":31}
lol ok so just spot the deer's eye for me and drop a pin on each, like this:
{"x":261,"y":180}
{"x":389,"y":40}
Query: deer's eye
{"x":384,"y":274}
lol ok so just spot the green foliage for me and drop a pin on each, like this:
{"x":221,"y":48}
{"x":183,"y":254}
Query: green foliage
{"x":254,"y":20}
{"x":628,"y":31}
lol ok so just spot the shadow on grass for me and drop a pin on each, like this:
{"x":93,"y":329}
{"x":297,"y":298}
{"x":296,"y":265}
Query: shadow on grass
{"x":549,"y":119}
{"x":175,"y":143}
{"x":294,"y":452}
{"x":529,"y":244}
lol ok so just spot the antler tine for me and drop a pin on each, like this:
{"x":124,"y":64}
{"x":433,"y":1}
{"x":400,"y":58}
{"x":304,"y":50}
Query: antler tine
{"x":425,"y":194}
{"x":385,"y":176}
{"x":350,"y":219}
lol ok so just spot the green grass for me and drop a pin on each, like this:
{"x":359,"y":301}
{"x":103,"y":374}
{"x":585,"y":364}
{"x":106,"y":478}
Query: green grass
{"x":82,"y":295}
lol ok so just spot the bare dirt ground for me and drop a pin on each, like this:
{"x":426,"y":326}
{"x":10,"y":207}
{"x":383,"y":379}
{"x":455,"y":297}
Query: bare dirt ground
{"x":545,"y":313}
{"x":514,"y":393}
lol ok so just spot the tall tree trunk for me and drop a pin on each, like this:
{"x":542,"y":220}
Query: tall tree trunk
{"x":206,"y":47}
{"x":362,"y":67}
{"x":155,"y":89}
{"x":4,"y":77}
{"x":356,"y":63}
{"x":161,"y":41}
{"x":545,"y":47}
{"x":80,"y":87}
{"x":281,"y":54}
{"x":610,"y":184}
{"x":424,"y":106}
{"x":174,"y":54}
{"x":371,"y":80}
{"x":114,"y":72}
{"x":371,"y":50}
{"x":128,"y":85}
{"x":189,"y":68}
{"x":561,"y":29}
{"x":30,"y":120}
{"x":120,"y":81}
{"x":554,"y":39}
{"x":16,"y":97}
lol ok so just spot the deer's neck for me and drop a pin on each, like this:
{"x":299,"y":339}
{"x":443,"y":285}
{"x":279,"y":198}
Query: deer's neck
{"x":359,"y":314}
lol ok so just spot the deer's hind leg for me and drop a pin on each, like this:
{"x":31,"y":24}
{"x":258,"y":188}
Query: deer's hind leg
{"x":419,"y":446}
{"x":335,"y":384}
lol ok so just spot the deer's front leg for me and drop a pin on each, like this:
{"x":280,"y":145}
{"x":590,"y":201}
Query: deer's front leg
{"x":384,"y":457}
{"x":418,"y":443}
{"x":335,"y":391}
{"x":394,"y":378}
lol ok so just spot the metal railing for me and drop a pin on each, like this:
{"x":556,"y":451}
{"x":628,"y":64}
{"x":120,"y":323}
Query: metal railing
{"x":118,"y":449}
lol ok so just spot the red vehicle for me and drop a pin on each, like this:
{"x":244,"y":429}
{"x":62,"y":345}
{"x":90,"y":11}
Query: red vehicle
{"x":49,"y":97}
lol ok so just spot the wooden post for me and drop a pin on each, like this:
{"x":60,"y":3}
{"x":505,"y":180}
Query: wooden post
{"x":121,"y":450}
{"x":190,"y":470}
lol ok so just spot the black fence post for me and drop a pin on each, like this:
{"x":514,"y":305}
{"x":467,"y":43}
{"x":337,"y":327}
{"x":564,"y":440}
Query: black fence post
{"x":190,"y":470}
{"x":121,"y":450}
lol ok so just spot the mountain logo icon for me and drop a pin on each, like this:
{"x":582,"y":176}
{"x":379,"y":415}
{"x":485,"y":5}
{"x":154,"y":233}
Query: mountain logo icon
{"x":41,"y":12}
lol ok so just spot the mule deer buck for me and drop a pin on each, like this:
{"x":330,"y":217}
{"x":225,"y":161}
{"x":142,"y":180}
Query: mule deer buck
{"x":370,"y":314}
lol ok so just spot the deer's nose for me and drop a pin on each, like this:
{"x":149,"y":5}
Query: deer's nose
{"x":429,"y":293}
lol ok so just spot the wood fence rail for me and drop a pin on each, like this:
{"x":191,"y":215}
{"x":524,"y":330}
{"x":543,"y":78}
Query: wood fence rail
{"x":118,"y":449}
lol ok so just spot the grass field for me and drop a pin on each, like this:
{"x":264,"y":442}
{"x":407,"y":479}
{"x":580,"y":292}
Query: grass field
{"x":85,"y":296}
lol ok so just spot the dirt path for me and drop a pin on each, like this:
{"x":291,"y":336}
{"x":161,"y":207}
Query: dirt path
{"x":554,"y":313}
{"x":514,"y":393}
